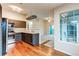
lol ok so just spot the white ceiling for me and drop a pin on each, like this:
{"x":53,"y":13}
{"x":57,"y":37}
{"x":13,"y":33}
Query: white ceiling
{"x":39,"y":9}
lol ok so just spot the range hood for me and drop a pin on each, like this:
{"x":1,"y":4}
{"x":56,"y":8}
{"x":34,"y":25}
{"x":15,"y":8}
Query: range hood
{"x":31,"y":17}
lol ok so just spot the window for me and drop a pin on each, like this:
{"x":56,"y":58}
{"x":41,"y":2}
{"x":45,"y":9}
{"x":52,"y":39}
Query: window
{"x":69,"y":26}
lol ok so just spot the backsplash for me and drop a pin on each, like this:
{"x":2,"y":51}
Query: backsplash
{"x":19,"y":29}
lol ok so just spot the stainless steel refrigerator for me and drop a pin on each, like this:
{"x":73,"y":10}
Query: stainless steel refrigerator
{"x":0,"y":31}
{"x":4,"y":29}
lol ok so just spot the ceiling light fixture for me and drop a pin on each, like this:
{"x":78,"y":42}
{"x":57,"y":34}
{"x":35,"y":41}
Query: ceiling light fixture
{"x":15,"y":8}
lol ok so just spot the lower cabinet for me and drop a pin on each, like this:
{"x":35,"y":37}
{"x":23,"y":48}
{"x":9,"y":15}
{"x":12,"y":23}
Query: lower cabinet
{"x":35,"y":39}
{"x":32,"y":39}
{"x":18,"y":36}
{"x":23,"y":36}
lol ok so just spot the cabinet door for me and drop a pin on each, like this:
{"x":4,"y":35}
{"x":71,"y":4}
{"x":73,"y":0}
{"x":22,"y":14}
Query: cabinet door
{"x":20,"y":24}
{"x":35,"y":40}
{"x":18,"y":37}
{"x":23,"y":37}
{"x":28,"y":38}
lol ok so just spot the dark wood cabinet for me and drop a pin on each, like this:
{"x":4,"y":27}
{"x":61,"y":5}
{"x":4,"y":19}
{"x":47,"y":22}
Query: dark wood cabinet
{"x":28,"y":38}
{"x":23,"y":36}
{"x":32,"y":39}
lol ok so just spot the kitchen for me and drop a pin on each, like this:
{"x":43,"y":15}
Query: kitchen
{"x":16,"y":31}
{"x":13,"y":34}
{"x":20,"y":27}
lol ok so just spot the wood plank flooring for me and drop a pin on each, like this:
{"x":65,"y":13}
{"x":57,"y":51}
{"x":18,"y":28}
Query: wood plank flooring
{"x":24,"y":49}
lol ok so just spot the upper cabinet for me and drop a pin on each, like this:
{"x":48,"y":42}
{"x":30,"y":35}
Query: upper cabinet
{"x":18,"y":24}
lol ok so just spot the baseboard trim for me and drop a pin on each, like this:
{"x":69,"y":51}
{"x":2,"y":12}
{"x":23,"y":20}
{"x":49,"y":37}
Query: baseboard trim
{"x":63,"y":52}
{"x":45,"y":42}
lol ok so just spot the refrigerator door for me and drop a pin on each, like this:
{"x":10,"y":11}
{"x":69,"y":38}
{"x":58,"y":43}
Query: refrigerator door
{"x":0,"y":40}
{"x":4,"y":28}
{"x":0,"y":31}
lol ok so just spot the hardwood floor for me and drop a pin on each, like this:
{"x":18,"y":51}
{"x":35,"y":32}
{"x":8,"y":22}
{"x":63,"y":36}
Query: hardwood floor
{"x":24,"y":49}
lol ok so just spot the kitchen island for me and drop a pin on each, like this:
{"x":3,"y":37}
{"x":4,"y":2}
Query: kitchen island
{"x":28,"y":37}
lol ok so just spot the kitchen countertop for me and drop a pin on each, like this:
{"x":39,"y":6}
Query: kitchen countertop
{"x":26,"y":32}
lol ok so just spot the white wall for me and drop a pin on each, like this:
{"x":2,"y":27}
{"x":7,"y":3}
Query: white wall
{"x":46,"y":27}
{"x":12,"y":15}
{"x":66,"y":47}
